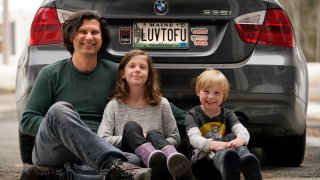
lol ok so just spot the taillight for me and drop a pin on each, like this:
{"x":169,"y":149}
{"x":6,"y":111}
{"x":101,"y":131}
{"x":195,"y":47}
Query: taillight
{"x":277,"y":29}
{"x":249,"y":26}
{"x":45,"y":28}
{"x":271,"y":27}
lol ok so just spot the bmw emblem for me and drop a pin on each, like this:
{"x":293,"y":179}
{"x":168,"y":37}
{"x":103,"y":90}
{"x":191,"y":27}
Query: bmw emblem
{"x":161,"y":7}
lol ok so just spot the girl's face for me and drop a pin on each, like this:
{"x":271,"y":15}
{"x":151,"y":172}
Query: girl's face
{"x":136,"y":71}
{"x":211,"y":98}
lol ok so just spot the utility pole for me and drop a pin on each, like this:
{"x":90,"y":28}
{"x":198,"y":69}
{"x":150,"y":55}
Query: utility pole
{"x":5,"y":33}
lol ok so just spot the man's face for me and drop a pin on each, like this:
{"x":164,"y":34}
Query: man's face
{"x":88,"y":39}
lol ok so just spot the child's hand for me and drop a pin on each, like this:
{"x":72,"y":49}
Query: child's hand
{"x":235,"y":143}
{"x":217,"y":145}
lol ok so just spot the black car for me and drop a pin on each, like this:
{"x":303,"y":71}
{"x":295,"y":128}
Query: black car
{"x":251,"y":41}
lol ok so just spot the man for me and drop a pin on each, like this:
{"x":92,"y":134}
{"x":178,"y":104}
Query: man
{"x":66,"y":104}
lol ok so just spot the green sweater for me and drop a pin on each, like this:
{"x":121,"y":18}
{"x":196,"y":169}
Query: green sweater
{"x":88,"y":93}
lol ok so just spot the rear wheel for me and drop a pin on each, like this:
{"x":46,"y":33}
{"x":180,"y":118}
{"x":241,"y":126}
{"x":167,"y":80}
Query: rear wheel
{"x":26,"y":143}
{"x":285,"y":151}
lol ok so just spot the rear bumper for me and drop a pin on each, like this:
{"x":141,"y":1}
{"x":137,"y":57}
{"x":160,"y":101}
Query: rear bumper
{"x":271,"y":115}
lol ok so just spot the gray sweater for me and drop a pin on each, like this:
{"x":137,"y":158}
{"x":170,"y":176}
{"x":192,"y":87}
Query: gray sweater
{"x":158,"y":117}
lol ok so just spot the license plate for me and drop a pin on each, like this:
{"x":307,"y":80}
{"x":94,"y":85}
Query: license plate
{"x":161,"y":35}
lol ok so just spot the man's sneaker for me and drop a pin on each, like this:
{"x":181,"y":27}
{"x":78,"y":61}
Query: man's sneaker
{"x":34,"y":172}
{"x":126,"y":171}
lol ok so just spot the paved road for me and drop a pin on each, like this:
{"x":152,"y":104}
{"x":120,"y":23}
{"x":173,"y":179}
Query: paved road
{"x":10,"y":162}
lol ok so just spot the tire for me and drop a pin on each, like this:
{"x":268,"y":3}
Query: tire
{"x":26,"y":143}
{"x":285,"y":151}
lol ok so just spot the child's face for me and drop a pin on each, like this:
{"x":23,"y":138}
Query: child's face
{"x":136,"y":71}
{"x":211,"y":98}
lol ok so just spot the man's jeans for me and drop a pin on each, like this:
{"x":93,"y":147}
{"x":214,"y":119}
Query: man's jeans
{"x":62,"y":137}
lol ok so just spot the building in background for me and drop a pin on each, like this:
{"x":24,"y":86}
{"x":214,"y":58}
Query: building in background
{"x":19,"y":25}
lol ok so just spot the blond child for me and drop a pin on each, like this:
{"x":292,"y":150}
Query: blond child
{"x":216,"y":134}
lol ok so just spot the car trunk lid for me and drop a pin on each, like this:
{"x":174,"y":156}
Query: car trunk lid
{"x":203,"y":30}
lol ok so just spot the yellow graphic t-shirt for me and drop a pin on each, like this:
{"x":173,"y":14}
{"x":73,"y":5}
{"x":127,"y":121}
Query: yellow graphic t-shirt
{"x":213,"y":130}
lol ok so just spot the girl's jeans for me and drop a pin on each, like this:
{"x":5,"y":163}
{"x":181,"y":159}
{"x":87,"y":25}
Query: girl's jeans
{"x":62,"y":137}
{"x":132,"y":138}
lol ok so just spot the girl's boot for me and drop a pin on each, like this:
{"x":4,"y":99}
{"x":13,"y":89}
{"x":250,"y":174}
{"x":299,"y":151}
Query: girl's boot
{"x":178,"y":165}
{"x":227,"y":161}
{"x":250,"y":164}
{"x":154,"y":159}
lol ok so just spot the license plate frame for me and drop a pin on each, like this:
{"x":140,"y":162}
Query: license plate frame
{"x":161,"y":35}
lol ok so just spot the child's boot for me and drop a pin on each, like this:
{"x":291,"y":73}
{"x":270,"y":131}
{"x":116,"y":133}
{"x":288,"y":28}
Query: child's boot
{"x":227,"y":161}
{"x":178,"y":165}
{"x":154,"y":159}
{"x":249,"y":164}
